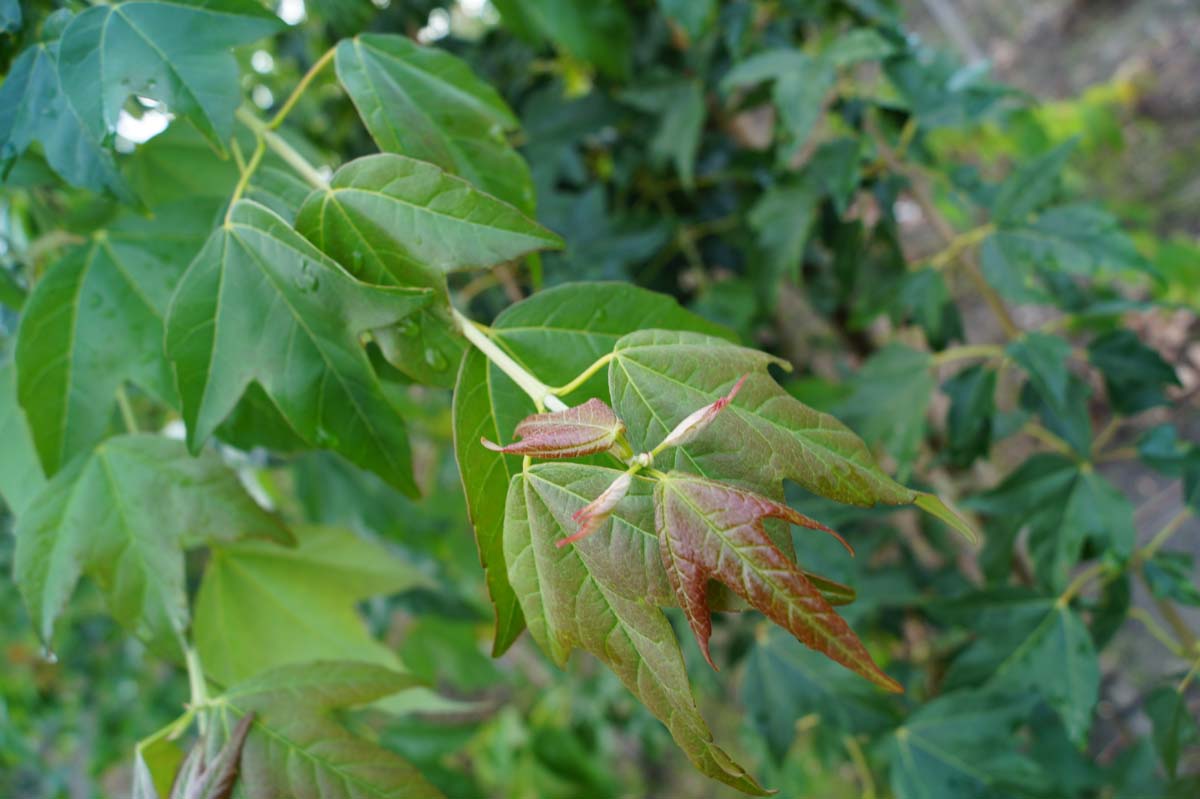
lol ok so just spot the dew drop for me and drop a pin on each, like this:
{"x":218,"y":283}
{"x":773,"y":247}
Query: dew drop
{"x":435,"y":359}
{"x":306,"y":281}
{"x":48,"y":655}
{"x":409,"y":327}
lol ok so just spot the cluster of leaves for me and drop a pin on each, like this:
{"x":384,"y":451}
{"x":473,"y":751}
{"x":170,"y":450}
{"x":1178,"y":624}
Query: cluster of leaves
{"x":215,"y":285}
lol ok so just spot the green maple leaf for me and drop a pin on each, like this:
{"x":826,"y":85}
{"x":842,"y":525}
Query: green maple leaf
{"x":561,"y":330}
{"x":295,"y":745}
{"x":962,"y":746}
{"x":710,"y":531}
{"x":1038,"y":646}
{"x":123,"y":516}
{"x":416,"y":221}
{"x":426,"y":103}
{"x":602,"y":595}
{"x":176,"y":52}
{"x":34,"y":107}
{"x":261,"y":605}
{"x":393,"y":220}
{"x":261,"y":304}
{"x":95,"y":321}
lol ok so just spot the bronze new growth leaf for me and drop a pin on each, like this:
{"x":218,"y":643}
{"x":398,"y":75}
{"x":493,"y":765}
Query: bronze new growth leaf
{"x":586,"y":429}
{"x":711,"y":531}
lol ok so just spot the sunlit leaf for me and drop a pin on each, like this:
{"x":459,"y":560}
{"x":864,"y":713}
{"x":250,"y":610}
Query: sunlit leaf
{"x":262,"y":605}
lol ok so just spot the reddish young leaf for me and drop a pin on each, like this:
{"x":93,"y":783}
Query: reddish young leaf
{"x":583,"y":430}
{"x":711,"y":531}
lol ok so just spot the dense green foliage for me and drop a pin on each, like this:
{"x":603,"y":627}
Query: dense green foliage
{"x":251,"y":416}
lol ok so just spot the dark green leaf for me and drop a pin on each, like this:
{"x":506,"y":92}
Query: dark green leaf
{"x":1134,"y":374}
{"x":681,"y":110}
{"x":1170,"y":575}
{"x":1175,"y":728}
{"x":260,"y":304}
{"x":427,"y":104}
{"x":594,"y":31}
{"x":972,"y":394}
{"x":558,"y":333}
{"x":962,"y":746}
{"x":1035,"y":646}
{"x":889,"y":402}
{"x":123,"y":515}
{"x":784,"y":681}
{"x":1031,"y":186}
{"x":1064,"y":504}
{"x":111,"y":52}
{"x":695,"y":17}
{"x":782,"y":219}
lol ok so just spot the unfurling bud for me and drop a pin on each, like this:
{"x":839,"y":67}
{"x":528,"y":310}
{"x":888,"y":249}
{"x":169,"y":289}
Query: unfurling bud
{"x":692,"y":426}
{"x":596,"y":512}
{"x":586,"y":429}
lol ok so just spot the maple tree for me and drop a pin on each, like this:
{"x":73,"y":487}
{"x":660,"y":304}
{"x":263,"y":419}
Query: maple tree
{"x":238,"y":354}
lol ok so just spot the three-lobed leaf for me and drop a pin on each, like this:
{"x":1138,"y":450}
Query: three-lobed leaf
{"x":260,"y":304}
{"x":123,"y":516}
{"x":35,"y":107}
{"x":427,"y":104}
{"x":95,"y":322}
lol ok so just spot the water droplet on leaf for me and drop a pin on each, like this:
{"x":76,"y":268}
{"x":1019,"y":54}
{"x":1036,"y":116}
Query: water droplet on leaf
{"x":435,"y":359}
{"x":409,"y":327}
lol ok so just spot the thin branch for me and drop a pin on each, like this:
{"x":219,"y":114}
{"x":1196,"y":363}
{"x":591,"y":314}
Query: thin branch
{"x":301,"y":87}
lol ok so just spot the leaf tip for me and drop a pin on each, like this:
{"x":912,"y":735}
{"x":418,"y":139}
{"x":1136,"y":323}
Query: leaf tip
{"x":935,"y":506}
